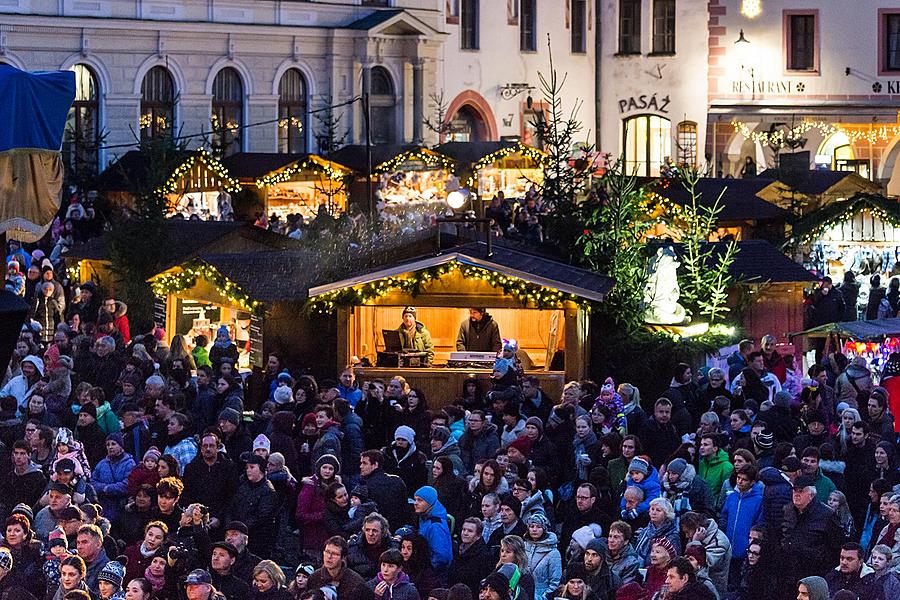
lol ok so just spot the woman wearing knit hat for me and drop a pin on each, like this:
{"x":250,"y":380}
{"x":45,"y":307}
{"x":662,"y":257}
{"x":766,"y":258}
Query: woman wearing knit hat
{"x":661,"y":552}
{"x":311,"y":503}
{"x":111,"y":578}
{"x":544,"y":559}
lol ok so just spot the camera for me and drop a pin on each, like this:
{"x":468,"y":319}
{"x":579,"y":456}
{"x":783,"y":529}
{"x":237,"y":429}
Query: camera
{"x":179,"y":552}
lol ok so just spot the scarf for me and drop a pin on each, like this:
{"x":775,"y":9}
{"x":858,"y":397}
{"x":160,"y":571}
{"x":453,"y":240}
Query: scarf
{"x":222,"y":332}
{"x":579,"y":445}
{"x":888,"y":538}
{"x":156,"y":583}
{"x":144,"y":552}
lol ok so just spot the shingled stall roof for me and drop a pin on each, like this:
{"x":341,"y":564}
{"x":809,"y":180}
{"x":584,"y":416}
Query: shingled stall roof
{"x":739,"y":202}
{"x":757,"y":261}
{"x":539,"y":270}
{"x":247,"y":167}
{"x":817,"y":222}
{"x":862,"y":331}
{"x":817,"y":181}
{"x":187,"y":239}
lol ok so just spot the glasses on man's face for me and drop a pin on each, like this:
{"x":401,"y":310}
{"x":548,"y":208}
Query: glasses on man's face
{"x":332,"y":553}
{"x":585,"y":498}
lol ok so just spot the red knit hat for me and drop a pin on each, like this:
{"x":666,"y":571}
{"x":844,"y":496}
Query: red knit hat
{"x":522,"y":444}
{"x":308,"y":419}
{"x":696,"y":550}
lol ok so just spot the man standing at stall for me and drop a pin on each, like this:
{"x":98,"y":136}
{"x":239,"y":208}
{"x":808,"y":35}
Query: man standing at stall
{"x":414,"y":336}
{"x":479,"y":333}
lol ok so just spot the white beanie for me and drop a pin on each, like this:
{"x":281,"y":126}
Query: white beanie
{"x":283,"y":395}
{"x":584,"y":535}
{"x":405,"y":433}
{"x":262,"y":441}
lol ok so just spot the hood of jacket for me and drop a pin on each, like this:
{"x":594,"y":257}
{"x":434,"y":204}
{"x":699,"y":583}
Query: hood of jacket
{"x":716,"y":459}
{"x":544,"y":545}
{"x":332,"y":427}
{"x":712,"y":530}
{"x":773,"y":476}
{"x":449,"y":447}
{"x":736,"y":358}
{"x":855,"y":372}
{"x":121,"y":309}
{"x":437,"y":511}
{"x":534,"y":501}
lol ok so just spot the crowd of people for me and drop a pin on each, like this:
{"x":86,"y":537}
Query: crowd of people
{"x":132,"y":468}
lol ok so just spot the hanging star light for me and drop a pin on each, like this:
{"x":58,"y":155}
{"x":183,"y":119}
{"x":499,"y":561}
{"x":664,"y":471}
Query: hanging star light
{"x":751,"y":8}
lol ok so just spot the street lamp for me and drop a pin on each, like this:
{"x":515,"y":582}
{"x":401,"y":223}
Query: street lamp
{"x":742,"y":49}
{"x":457,"y":198}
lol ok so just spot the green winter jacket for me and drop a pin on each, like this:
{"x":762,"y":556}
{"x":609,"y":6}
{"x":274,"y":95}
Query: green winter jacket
{"x":824,"y":486}
{"x":714,"y":471}
{"x":421,"y":341}
{"x":107,"y":419}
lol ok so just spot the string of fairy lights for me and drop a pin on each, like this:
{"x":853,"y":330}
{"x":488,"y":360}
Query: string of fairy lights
{"x":309,"y":164}
{"x":780,"y":137}
{"x":858,"y":204}
{"x":421,"y":155}
{"x":529,"y":294}
{"x":539,"y":157}
{"x":172,"y":186}
{"x":186,"y":278}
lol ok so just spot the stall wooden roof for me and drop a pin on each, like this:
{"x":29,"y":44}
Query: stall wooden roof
{"x":132,"y":169}
{"x":354,"y":156}
{"x":815,"y":223}
{"x":472,"y":152}
{"x":532,"y":268}
{"x":741,"y":199}
{"x":875,"y":329}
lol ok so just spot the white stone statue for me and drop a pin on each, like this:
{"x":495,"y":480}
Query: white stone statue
{"x":661,"y":292}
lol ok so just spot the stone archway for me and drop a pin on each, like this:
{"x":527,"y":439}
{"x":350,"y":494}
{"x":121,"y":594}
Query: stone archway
{"x":472,"y":106}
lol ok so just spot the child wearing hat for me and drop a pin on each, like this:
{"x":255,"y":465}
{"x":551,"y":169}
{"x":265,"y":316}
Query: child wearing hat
{"x":145,"y":472}
{"x":57,"y":550}
{"x":111,"y":578}
{"x":642,"y":475}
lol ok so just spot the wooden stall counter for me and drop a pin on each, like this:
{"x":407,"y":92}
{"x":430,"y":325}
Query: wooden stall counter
{"x":443,"y":385}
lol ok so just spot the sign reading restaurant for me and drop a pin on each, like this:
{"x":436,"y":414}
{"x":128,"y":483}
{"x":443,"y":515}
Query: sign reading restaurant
{"x":764,"y":86}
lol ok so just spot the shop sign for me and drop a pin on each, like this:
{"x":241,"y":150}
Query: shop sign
{"x":644,"y":102}
{"x":888,"y":87}
{"x":159,"y":310}
{"x":256,"y":341}
{"x":765,"y":86}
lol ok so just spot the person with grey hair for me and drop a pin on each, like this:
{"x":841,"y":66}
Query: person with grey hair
{"x":662,"y":525}
{"x":716,"y":385}
{"x":812,"y":534}
{"x":367,"y":545}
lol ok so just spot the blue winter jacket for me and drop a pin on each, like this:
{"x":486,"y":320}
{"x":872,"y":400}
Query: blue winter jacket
{"x":351,"y":394}
{"x":741,"y":512}
{"x":110,"y":479}
{"x":433,"y":527}
{"x":776,"y":494}
{"x":650,"y":487}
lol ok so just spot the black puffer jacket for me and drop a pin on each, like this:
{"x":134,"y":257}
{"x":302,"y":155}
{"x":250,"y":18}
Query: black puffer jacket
{"x":471,"y":565}
{"x":364,"y":558}
{"x":256,"y":505}
{"x":408,"y":466}
{"x":812,"y":540}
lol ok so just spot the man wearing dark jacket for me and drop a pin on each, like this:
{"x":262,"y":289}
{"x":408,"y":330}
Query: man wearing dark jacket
{"x":472,"y":559}
{"x":812,"y":533}
{"x":135,"y":432}
{"x":210,"y":478}
{"x":584,"y":512}
{"x":682,"y":393}
{"x":682,"y":583}
{"x":479,"y":442}
{"x":366,"y":547}
{"x":334,"y":572}
{"x":660,"y":438}
{"x":352,"y":443}
{"x":222,"y":562}
{"x":388,"y":491}
{"x":595,"y":572}
{"x":854,"y":574}
{"x":860,"y":471}
{"x":238,"y":535}
{"x":777,"y":495}
{"x":255,"y":504}
{"x":25,"y":483}
{"x":826,"y":305}
{"x":510,"y":523}
{"x":479,"y":333}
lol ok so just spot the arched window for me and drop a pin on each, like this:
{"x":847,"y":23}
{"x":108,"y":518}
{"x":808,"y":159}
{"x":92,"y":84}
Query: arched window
{"x":686,"y":141}
{"x":467,"y":126}
{"x":383,"y":102}
{"x":292,"y":112}
{"x":647,"y":142}
{"x":80,"y":143}
{"x":157,"y":103}
{"x":227,"y":111}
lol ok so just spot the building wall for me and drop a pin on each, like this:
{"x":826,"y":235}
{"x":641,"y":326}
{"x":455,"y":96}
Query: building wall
{"x":121,"y":40}
{"x":848,"y":87}
{"x":672,"y":86}
{"x":475,"y":77}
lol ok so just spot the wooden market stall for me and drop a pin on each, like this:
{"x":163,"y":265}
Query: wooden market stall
{"x":410,"y":182}
{"x":874,"y":340}
{"x":293,"y":183}
{"x":491,"y":167}
{"x":541,"y":303}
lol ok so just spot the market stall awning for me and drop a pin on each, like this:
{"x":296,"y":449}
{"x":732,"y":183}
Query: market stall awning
{"x":472,"y":153}
{"x":300,"y":164}
{"x":531,"y":268}
{"x":387,"y":157}
{"x":741,"y":199}
{"x":862,"y":331}
{"x":814,"y":224}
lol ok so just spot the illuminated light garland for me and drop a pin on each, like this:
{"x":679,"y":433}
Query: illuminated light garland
{"x":73,"y":272}
{"x":526,"y":292}
{"x":422,"y":155}
{"x":856,"y":208}
{"x":172,"y":283}
{"x":228,"y":182}
{"x":311,"y":163}
{"x":538,"y":156}
{"x":780,"y":137}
